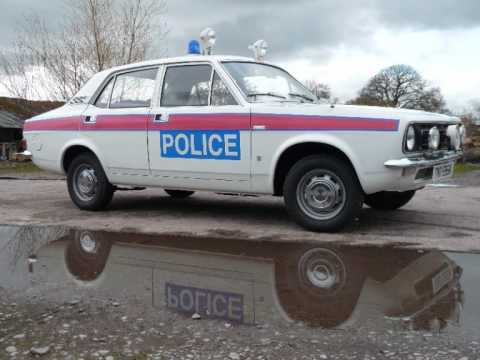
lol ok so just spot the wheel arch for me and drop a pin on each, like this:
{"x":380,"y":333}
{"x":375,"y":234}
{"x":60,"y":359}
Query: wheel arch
{"x":291,"y":152}
{"x":73,"y":149}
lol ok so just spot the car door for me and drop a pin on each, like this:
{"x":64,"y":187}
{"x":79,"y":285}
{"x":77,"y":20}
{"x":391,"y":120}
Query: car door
{"x":116,"y":125}
{"x":199,"y":135}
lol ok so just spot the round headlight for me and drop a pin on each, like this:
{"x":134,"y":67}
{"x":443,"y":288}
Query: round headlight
{"x":463,"y":134}
{"x":453,"y":133}
{"x":434,"y":138}
{"x":410,"y":142}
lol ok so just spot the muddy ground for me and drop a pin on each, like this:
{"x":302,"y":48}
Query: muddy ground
{"x":73,"y":288}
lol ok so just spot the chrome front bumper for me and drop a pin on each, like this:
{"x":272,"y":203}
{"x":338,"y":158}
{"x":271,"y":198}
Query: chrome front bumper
{"x":422,"y":162}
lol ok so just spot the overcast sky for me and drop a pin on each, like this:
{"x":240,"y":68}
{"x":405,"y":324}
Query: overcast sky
{"x":339,"y":42}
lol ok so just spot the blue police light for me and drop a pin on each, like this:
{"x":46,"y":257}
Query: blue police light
{"x":194,"y":47}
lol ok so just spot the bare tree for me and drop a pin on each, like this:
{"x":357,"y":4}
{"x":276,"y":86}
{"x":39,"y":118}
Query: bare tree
{"x":15,"y":74}
{"x":95,"y":35}
{"x":401,"y":86}
{"x":322,"y":91}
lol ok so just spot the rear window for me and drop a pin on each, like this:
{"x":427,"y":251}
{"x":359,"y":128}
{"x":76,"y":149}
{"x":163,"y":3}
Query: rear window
{"x":133,"y":89}
{"x":88,"y":90}
{"x":104,"y":98}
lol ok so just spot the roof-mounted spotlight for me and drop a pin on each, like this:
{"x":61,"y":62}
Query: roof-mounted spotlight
{"x":259,"y":49}
{"x":208,"y":38}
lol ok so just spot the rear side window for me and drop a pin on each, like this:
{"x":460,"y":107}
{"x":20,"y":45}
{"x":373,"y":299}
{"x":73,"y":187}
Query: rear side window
{"x":133,"y":89}
{"x":104,"y":97}
{"x":187,"y":85}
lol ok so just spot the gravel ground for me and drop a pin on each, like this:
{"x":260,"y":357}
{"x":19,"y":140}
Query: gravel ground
{"x":447,"y":218}
{"x":55,"y":322}
{"x":100,"y":330}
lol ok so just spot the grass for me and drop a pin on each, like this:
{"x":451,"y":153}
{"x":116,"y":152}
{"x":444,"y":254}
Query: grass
{"x":463,"y":168}
{"x":18,"y":167}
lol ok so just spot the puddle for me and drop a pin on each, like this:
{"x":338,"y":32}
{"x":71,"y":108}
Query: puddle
{"x":323,"y":286}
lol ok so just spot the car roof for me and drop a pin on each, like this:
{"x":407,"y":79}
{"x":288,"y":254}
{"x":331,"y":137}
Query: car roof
{"x":89,"y":89}
{"x":187,"y":58}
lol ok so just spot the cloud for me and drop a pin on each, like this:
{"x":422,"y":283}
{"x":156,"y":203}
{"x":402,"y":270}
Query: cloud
{"x":435,"y":54}
{"x":13,"y":13}
{"x":289,"y":27}
{"x":429,"y":14}
{"x":341,"y":42}
{"x":315,"y":26}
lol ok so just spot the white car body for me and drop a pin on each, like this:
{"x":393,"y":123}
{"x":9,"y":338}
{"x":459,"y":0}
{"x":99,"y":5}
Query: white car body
{"x":127,"y":141}
{"x":125,"y":154}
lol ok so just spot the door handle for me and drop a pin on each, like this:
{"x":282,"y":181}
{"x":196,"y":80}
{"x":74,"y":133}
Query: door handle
{"x":89,"y":119}
{"x":161,"y":118}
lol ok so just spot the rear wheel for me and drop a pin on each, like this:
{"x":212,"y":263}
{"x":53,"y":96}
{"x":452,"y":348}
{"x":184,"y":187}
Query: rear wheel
{"x":86,"y":255}
{"x":179,"y":194}
{"x":322,"y":193}
{"x":389,"y":200}
{"x":88,"y":185}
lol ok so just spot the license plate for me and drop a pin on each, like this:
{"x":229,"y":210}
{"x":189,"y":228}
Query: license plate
{"x":443,"y":171}
{"x":441,"y":279}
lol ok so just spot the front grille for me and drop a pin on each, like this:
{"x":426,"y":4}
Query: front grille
{"x":422,"y":131}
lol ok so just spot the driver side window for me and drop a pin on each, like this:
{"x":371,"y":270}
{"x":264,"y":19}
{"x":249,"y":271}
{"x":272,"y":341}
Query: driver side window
{"x":187,"y":85}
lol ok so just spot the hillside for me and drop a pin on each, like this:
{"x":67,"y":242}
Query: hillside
{"x":26,"y":108}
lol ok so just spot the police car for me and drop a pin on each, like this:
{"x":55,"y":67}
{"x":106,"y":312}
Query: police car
{"x":239,"y":125}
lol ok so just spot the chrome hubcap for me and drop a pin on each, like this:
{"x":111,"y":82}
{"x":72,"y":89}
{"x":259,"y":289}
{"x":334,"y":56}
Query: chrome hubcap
{"x":85,"y":182}
{"x":321,"y":276}
{"x":321,"y":194}
{"x":322,"y":269}
{"x":88,"y":243}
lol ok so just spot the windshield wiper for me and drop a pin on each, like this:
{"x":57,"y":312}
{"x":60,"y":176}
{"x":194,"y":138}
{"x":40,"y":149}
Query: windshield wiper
{"x":267,"y":94}
{"x":305,"y":97}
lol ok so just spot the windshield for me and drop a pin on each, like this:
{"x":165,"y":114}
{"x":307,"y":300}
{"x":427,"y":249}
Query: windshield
{"x":261,"y":82}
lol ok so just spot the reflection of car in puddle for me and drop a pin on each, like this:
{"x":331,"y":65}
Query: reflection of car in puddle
{"x":258,"y":282}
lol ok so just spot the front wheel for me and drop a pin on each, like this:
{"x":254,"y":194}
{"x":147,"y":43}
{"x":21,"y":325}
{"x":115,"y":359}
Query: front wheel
{"x":322,"y":193}
{"x":389,"y":200}
{"x":319,"y":286}
{"x":179,"y":194}
{"x":88,"y":185}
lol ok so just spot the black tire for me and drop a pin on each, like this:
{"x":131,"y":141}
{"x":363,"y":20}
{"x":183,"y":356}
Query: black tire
{"x":333,"y":167}
{"x":389,"y":200}
{"x":179,"y":194}
{"x":102,"y":190}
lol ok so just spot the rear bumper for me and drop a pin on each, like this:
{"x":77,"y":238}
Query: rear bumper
{"x":418,"y":163}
